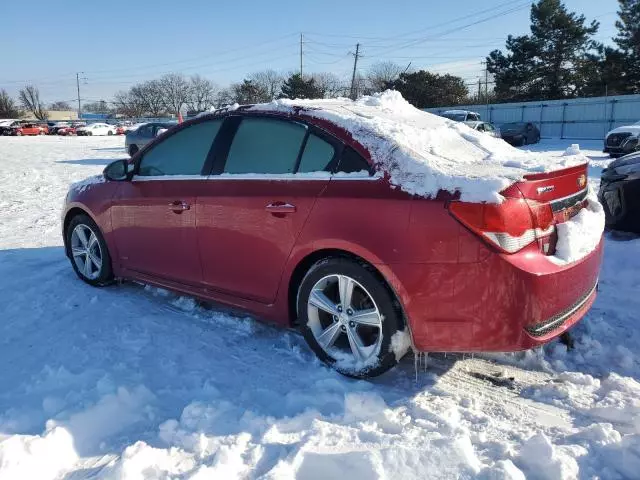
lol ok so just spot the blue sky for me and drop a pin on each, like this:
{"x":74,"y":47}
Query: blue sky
{"x":117,"y":43}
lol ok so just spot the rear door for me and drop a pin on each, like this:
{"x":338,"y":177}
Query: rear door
{"x":256,"y":205}
{"x":154,"y":215}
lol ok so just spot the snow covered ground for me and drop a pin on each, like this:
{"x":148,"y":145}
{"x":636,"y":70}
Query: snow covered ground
{"x":134,"y":382}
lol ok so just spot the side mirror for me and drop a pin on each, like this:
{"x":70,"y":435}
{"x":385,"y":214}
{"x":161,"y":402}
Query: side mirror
{"x":117,"y":171}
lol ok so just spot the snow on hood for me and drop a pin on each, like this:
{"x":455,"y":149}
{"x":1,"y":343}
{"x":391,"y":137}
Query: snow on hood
{"x":88,"y":182}
{"x":635,"y":129}
{"x":425,"y":153}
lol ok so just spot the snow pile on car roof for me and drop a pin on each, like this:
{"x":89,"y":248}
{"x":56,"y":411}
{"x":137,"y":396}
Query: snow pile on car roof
{"x":424,"y":153}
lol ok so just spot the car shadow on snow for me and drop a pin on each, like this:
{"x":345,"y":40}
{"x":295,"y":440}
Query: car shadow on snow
{"x":91,"y":161}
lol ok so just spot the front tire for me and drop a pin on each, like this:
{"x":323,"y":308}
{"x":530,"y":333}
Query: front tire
{"x":348,"y":316}
{"x":88,"y":251}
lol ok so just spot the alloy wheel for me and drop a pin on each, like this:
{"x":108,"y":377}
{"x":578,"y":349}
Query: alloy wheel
{"x":344,"y":319}
{"x":86,"y":251}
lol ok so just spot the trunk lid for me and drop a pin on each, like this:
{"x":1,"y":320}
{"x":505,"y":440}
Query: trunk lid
{"x":563,"y":191}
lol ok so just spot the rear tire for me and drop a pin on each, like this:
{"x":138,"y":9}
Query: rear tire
{"x":354,"y":339}
{"x":88,"y":252}
{"x":110,"y":133}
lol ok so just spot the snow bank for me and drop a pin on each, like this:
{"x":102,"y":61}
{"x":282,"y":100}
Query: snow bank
{"x":33,"y":456}
{"x":424,"y":153}
{"x":581,"y":234}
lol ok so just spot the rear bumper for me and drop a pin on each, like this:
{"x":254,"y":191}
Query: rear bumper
{"x":503,"y":303}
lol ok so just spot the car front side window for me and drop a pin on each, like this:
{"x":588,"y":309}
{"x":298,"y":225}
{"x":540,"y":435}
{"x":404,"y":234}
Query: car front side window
{"x":183,"y":153}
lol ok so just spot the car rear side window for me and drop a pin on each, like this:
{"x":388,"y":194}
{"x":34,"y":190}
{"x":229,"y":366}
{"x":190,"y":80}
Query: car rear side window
{"x":317,"y":155}
{"x":182,"y":153}
{"x":351,"y":161}
{"x":264,"y":145}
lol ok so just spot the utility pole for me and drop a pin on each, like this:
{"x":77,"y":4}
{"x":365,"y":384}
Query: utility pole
{"x":301,"y":43}
{"x":486,"y":88}
{"x":354,"y":93}
{"x":78,"y":87}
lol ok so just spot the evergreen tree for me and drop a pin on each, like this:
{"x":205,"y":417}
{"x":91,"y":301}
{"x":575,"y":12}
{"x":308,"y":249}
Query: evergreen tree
{"x":546,"y":63}
{"x":298,"y":87}
{"x":628,"y":40}
{"x":8,"y":107}
{"x":424,"y":89}
{"x":603,"y":72}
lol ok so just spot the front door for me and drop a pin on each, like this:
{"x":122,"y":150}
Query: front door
{"x":251,"y":215}
{"x":154,"y":215}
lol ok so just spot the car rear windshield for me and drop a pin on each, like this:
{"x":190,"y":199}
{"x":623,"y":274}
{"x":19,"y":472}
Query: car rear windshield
{"x":512,"y":125}
{"x":458,"y":117}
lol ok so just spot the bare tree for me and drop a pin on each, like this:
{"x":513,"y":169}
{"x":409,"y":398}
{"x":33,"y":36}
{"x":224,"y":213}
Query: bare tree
{"x":30,"y":100}
{"x":381,"y":74}
{"x":60,"y":106}
{"x":225,"y":97}
{"x":128,"y":105}
{"x":96,"y":107}
{"x":247,"y":92}
{"x":201,"y":95}
{"x":331,"y":84}
{"x":268,"y":81}
{"x":8,"y":108}
{"x":175,"y":91}
{"x":151,"y":95}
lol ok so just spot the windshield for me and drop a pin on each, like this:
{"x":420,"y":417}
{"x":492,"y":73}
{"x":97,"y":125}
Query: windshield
{"x":511,"y":126}
{"x":458,"y":117}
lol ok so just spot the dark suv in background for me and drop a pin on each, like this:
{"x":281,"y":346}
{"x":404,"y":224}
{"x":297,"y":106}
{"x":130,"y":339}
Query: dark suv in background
{"x":138,"y":138}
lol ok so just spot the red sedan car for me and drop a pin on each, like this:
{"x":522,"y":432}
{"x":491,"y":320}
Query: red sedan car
{"x":29,"y":129}
{"x":288,"y":216}
{"x":67,"y":131}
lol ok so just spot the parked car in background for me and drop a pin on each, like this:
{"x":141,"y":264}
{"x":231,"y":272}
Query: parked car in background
{"x":484,"y":127}
{"x":461,"y":115}
{"x":138,"y":138}
{"x":120,"y":130}
{"x":6,"y":126}
{"x":520,"y":133}
{"x":28,"y":129}
{"x":53,"y":130}
{"x":66,"y":131}
{"x":96,"y":129}
{"x":620,"y":193}
{"x":285,"y":214}
{"x":622,"y":140}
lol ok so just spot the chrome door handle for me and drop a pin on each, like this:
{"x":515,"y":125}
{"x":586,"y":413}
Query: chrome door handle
{"x":179,"y":206}
{"x":280,"y":207}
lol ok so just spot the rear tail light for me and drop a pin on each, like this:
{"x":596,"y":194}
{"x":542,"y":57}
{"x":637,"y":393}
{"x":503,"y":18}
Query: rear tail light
{"x":510,"y":225}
